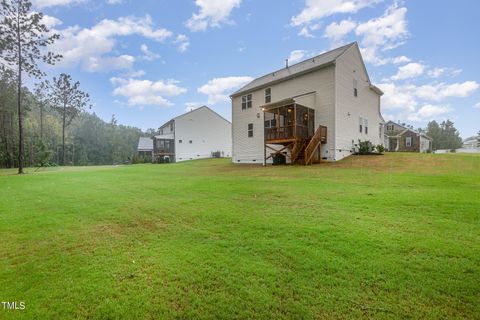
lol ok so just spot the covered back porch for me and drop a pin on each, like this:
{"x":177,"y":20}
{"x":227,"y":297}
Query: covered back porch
{"x":292,"y":127}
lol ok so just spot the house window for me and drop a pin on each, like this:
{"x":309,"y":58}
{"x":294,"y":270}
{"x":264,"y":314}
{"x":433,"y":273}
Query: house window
{"x":268,"y":95}
{"x":355,"y":90}
{"x":171,"y":126}
{"x":179,"y":141}
{"x":408,"y":141}
{"x":190,"y":141}
{"x":365,"y":123}
{"x":247,"y":101}
{"x":270,"y":123}
{"x":360,"y":124}
{"x":250,"y":130}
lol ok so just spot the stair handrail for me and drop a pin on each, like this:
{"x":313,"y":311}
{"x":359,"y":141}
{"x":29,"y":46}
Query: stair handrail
{"x":319,"y":136}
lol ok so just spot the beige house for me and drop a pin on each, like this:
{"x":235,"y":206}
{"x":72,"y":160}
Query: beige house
{"x":399,"y":138}
{"x":314,"y":110}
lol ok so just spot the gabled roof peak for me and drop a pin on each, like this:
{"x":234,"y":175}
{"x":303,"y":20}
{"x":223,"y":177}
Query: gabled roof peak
{"x":322,"y":60}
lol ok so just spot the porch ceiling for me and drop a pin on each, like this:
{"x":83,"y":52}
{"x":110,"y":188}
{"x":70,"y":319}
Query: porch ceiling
{"x":277,"y":104}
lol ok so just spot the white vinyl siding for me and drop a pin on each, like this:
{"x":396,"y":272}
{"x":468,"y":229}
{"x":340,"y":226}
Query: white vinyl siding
{"x":349,"y":109}
{"x":334,"y":104}
{"x":202,"y":132}
{"x":320,"y":82}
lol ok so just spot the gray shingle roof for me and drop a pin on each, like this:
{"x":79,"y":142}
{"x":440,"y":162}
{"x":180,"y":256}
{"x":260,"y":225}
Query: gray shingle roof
{"x":192,"y":111}
{"x":317,"y":62}
{"x":145,"y":144}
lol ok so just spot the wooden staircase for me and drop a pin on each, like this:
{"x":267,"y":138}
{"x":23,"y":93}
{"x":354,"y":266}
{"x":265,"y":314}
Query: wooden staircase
{"x":318,"y":138}
{"x":298,"y":150}
{"x":303,"y":150}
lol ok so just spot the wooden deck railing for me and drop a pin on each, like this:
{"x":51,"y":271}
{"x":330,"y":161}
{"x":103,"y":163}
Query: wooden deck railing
{"x":319,"y":137}
{"x":286,"y":132}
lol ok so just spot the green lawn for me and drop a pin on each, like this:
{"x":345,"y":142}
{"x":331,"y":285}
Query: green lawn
{"x":394,"y":236}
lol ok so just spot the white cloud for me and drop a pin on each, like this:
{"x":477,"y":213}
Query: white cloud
{"x":383,"y":33}
{"x":94,"y":64}
{"x":219,"y":89}
{"x":133,"y":74}
{"x":114,"y":1}
{"x":183,"y":42}
{"x":307,"y":30}
{"x":52,"y":3}
{"x":297,"y":56}
{"x":50,"y":21}
{"x":337,"y":31}
{"x":80,"y":46}
{"x":318,"y":9}
{"x":146,"y":92}
{"x":147,"y":54}
{"x":212,"y":14}
{"x":410,"y":70}
{"x":438,"y":72}
{"x":401,"y":59}
{"x":477,"y":105}
{"x":397,"y":97}
{"x":438,"y":92}
{"x":408,"y":97}
{"x":429,"y":112}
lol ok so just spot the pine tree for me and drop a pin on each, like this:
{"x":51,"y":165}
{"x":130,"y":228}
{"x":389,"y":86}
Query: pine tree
{"x":22,"y":38}
{"x":68,"y":100}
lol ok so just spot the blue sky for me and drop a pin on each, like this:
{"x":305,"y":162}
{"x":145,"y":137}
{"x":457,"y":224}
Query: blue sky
{"x":147,"y":61}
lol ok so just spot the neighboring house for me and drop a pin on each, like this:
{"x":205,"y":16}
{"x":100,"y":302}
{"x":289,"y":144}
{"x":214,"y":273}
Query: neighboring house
{"x":201,"y":133}
{"x":401,"y":138}
{"x":471,"y":143}
{"x":145,"y":147}
{"x":314,"y":110}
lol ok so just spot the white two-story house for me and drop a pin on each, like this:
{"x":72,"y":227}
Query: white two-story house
{"x":314,"y":110}
{"x":201,"y":133}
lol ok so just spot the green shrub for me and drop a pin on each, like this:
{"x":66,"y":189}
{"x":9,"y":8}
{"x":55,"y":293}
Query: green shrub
{"x":380,"y":148}
{"x":364,"y":147}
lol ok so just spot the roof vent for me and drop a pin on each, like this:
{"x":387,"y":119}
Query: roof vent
{"x":286,"y":63}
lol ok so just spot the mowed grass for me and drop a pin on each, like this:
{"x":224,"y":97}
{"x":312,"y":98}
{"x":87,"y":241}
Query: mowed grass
{"x":394,"y":236}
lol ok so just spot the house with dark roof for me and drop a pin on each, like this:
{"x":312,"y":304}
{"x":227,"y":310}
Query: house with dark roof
{"x":145,"y":147}
{"x":314,"y":110}
{"x":197,"y":134}
{"x":400,"y":138}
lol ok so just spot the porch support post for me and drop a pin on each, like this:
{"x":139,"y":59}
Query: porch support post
{"x":264,"y":142}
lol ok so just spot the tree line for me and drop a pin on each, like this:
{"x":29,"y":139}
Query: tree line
{"x":48,"y":125}
{"x":444,"y":135}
